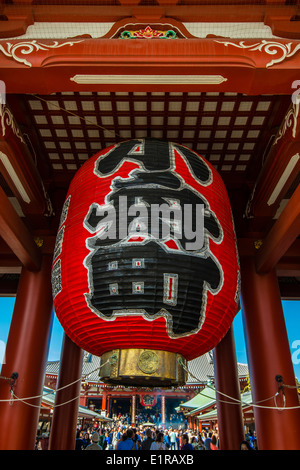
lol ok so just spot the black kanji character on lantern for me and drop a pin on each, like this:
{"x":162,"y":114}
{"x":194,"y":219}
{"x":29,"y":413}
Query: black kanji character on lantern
{"x":144,"y":273}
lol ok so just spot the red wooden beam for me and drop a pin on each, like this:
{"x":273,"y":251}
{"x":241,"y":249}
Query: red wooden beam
{"x":16,"y":235}
{"x":282,"y":164}
{"x":289,"y":291}
{"x":288,"y":269}
{"x":284,"y":232}
{"x":17,"y":166}
{"x":287,"y":266}
{"x":9,"y":287}
{"x":81,"y":64}
{"x":101,"y":11}
{"x":9,"y":264}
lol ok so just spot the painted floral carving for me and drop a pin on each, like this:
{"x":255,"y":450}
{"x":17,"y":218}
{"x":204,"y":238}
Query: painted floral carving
{"x":18,"y":50}
{"x":281,"y":50}
{"x":148,"y":33}
{"x":7,"y":119}
{"x":290,"y":120}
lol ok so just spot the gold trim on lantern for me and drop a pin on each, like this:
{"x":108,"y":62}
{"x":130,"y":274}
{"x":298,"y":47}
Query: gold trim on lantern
{"x":143,"y":367}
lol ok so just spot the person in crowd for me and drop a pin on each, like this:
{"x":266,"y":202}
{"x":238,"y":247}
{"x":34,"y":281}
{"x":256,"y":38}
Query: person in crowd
{"x":79,"y":440}
{"x":197,"y":444}
{"x":95,"y":443}
{"x":172,"y":439}
{"x":251,"y":438}
{"x":200,"y":443}
{"x":185,"y":443}
{"x":158,"y":444}
{"x":245,"y":445}
{"x":167,"y":440}
{"x":127,"y":442}
{"x":146,"y":443}
{"x":180,"y":439}
{"x":122,"y":438}
{"x":116,"y":437}
{"x":86,"y":440}
{"x":102,"y":441}
{"x":136,"y":438}
{"x":213,"y":444}
{"x":108,"y":440}
{"x":177,"y":440}
{"x":254,"y":444}
{"x":38,"y":445}
{"x":207,"y":441}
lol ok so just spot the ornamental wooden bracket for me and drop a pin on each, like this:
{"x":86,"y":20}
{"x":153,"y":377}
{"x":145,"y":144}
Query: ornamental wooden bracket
{"x":17,"y":236}
{"x":282,"y":165}
{"x":282,"y":235}
{"x":18,"y":168}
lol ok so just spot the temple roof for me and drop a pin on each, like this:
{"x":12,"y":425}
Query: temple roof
{"x":49,"y":399}
{"x":205,"y":402}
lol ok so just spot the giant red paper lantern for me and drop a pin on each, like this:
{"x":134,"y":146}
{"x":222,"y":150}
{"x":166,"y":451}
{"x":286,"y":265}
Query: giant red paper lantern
{"x":127,"y":278}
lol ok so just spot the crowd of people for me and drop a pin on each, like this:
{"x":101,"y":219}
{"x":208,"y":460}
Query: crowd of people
{"x":152,"y":438}
{"x":172,"y":420}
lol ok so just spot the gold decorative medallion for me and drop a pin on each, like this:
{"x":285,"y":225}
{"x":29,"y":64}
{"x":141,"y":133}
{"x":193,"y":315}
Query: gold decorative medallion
{"x":143,"y":367}
{"x":148,"y":362}
{"x":39,"y":241}
{"x":258,"y":244}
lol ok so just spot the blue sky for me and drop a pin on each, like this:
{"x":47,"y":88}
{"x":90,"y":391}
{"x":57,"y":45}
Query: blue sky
{"x":291,"y":312}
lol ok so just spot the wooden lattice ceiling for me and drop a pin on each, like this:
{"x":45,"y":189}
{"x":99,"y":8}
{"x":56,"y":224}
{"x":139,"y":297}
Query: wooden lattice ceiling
{"x":230,"y":130}
{"x":234,"y":132}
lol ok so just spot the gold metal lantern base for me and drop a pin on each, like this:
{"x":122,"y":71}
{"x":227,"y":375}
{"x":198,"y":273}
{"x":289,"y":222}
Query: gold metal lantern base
{"x":143,"y":367}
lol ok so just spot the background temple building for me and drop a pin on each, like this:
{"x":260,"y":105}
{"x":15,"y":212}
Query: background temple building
{"x":117,"y":400}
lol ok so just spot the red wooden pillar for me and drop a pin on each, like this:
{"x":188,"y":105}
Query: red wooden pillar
{"x":133,"y":409}
{"x":83,"y":401}
{"x":268,"y":356}
{"x":64,"y":422}
{"x":230,"y":419}
{"x":26,"y":354}
{"x":103,"y":407}
{"x":163,"y":410}
{"x":108,"y":402}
